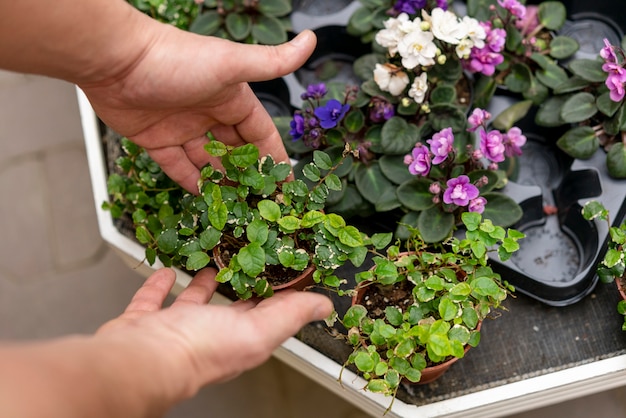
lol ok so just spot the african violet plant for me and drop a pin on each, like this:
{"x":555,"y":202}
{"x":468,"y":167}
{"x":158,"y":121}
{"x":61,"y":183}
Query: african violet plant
{"x":591,"y":102}
{"x":271,"y":227}
{"x":450,"y":290}
{"x":250,"y":21}
{"x":613,"y":265}
{"x":432,"y":182}
{"x":524,"y":49}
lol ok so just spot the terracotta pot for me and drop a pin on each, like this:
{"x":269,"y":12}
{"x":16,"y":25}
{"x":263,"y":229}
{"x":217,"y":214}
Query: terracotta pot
{"x":620,"y":287}
{"x":431,"y":373}
{"x":304,"y":279}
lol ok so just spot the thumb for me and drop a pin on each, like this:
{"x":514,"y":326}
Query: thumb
{"x":265,"y":62}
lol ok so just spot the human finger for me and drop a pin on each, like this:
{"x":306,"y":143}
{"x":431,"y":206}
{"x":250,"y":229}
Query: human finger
{"x":284,"y":314}
{"x":152,"y":293}
{"x":177,"y":165}
{"x":200,"y":289}
{"x":252,"y":60}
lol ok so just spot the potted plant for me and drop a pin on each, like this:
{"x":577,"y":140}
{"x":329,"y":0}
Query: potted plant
{"x":422,"y":304}
{"x":250,"y":21}
{"x":263,"y":229}
{"x":613,"y":265}
{"x":591,"y":102}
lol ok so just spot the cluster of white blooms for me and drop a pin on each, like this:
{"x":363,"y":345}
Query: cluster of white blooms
{"x":415,"y":42}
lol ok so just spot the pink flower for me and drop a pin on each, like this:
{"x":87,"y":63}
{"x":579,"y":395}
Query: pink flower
{"x":514,"y":7}
{"x":492,"y":145}
{"x":513,"y":142}
{"x":477,"y":205}
{"x":477,"y":119}
{"x":460,"y":191}
{"x":608,"y":53}
{"x":418,"y":161}
{"x":441,"y":145}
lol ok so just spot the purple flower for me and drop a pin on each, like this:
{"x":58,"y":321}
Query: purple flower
{"x":314,"y":91}
{"x":460,"y":191}
{"x":381,"y":110}
{"x":513,"y":142}
{"x":477,"y":205}
{"x":515,"y":7}
{"x":409,"y":6}
{"x":477,"y":119}
{"x":297,"y":126}
{"x":483,"y":61}
{"x":492,"y":145}
{"x":330,"y":114}
{"x":615,"y":80}
{"x":418,"y":161}
{"x":441,"y":145}
{"x":442,"y":4}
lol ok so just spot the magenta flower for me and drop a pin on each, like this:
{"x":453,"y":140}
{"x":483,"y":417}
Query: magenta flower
{"x":330,"y":114}
{"x":513,"y":142}
{"x":492,"y":145}
{"x":418,"y":161}
{"x":483,"y":61}
{"x":608,"y":52}
{"x":615,"y":80}
{"x":477,"y":205}
{"x":477,"y":119}
{"x":460,"y":191}
{"x":514,"y":7}
{"x":441,"y":144}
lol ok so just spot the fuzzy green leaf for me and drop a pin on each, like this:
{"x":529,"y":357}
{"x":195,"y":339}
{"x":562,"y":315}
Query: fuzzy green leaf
{"x":238,"y":25}
{"x":580,"y":142}
{"x":552,"y":14}
{"x":579,"y":107}
{"x":268,"y":30}
{"x":415,"y":194}
{"x":562,"y":47}
{"x":616,"y":160}
{"x":207,"y":23}
{"x":435,"y":225}
{"x":587,"y":69}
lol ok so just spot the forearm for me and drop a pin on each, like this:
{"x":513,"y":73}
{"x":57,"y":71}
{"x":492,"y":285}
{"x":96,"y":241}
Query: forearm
{"x":78,"y":41}
{"x":83,"y":377}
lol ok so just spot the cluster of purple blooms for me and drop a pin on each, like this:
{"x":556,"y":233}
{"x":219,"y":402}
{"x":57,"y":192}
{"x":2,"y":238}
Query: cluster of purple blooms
{"x":614,"y":67}
{"x":413,"y":6}
{"x":494,"y":147}
{"x":310,"y":124}
{"x":484,"y":60}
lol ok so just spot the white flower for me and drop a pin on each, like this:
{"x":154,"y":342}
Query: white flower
{"x":419,"y":88}
{"x":390,"y":78}
{"x":395,"y":29}
{"x":447,"y":27}
{"x":475,"y":32}
{"x":417,"y":48}
{"x":464,"y":48}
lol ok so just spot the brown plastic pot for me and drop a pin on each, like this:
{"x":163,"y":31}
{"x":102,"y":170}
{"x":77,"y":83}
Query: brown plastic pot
{"x":304,"y":279}
{"x":431,"y":373}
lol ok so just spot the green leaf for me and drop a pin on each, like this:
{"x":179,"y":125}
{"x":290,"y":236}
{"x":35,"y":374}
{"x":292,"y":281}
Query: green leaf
{"x":447,"y":309}
{"x":289,"y":224}
{"x":257,"y":231}
{"x":269,"y":30}
{"x":606,"y":105}
{"x":562,"y":47}
{"x":268,"y":209}
{"x":415,"y":194}
{"x":616,"y":160}
{"x":274,"y":7}
{"x":398,"y":136}
{"x":207,"y":23}
{"x":360,"y":21}
{"x":508,"y":117}
{"x":197,"y":260}
{"x":553,"y":75}
{"x":350,"y":236}
{"x":244,"y":156}
{"x":354,"y":315}
{"x":381,"y":240}
{"x":251,"y":258}
{"x":443,"y":93}
{"x":209,"y":238}
{"x":333,"y":182}
{"x":239,"y":25}
{"x":394,"y":315}
{"x":394,"y":168}
{"x":552,"y":14}
{"x":143,"y":235}
{"x":312,"y":218}
{"x":519,"y":80}
{"x":370,"y":182}
{"x":579,"y":107}
{"x":435,"y":225}
{"x":354,"y":121}
{"x":549,"y":113}
{"x":218,"y":215}
{"x":216,"y":148}
{"x":594,"y":209}
{"x":501,"y":209}
{"x":322,"y":160}
{"x":364,"y":362}
{"x":168,"y":241}
{"x":570,"y":85}
{"x":311,"y":172}
{"x":587,"y":69}
{"x":579,"y":142}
